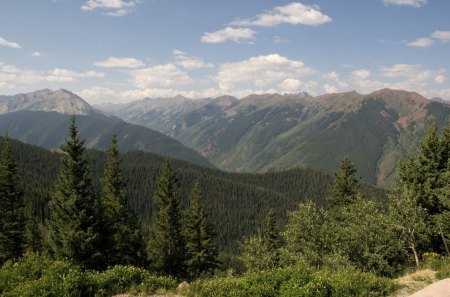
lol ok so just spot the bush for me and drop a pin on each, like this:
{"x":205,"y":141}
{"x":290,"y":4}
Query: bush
{"x":443,"y":268}
{"x":37,"y":275}
{"x":298,"y":282}
{"x":120,"y":279}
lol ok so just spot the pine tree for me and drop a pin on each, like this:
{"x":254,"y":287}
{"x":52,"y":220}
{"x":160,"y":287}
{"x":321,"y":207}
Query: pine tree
{"x":425,"y":176}
{"x":12,"y":218}
{"x":201,"y":250}
{"x":271,"y":236}
{"x":76,"y":217}
{"x":167,"y":248}
{"x":345,"y":189}
{"x":125,"y":245}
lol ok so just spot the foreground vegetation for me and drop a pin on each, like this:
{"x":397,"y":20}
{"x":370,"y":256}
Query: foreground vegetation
{"x":93,"y":245}
{"x":39,"y":275}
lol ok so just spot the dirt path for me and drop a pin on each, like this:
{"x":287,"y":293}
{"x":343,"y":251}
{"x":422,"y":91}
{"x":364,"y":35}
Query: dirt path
{"x":414,"y":282}
{"x":437,"y":289}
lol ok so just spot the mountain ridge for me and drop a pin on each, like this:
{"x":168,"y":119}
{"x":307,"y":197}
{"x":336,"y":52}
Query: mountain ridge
{"x":42,"y":118}
{"x":272,"y":131}
{"x":62,"y":101}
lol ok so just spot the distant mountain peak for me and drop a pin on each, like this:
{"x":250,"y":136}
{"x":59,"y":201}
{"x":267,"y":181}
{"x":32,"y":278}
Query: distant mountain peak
{"x":61,"y":101}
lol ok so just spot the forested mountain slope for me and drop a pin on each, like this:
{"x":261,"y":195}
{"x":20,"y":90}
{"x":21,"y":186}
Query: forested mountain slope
{"x":237,"y":203}
{"x":263,"y":132}
{"x":49,"y":130}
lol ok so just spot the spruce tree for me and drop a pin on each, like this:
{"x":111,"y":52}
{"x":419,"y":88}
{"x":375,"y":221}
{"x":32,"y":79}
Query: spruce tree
{"x":201,"y":250}
{"x":345,"y":189}
{"x":76,"y":224}
{"x":271,"y":236}
{"x":166,"y":247}
{"x":12,"y":217}
{"x":425,"y":176}
{"x":124,"y":236}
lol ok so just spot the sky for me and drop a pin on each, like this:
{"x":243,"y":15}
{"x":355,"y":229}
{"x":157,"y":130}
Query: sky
{"x":124,"y":50}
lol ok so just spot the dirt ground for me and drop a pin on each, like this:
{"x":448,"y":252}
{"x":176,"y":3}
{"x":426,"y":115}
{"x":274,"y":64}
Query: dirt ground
{"x":437,"y":289}
{"x":423,"y":283}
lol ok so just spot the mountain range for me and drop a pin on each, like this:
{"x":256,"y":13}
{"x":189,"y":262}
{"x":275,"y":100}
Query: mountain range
{"x":258,"y":133}
{"x":42,"y":118}
{"x":266,"y":132}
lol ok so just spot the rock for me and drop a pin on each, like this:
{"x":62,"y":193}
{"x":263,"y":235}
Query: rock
{"x":182,"y":288}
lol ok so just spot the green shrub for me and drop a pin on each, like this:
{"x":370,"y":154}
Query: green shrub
{"x":120,"y":279}
{"x":443,"y":268}
{"x":297,"y":282}
{"x":37,"y":275}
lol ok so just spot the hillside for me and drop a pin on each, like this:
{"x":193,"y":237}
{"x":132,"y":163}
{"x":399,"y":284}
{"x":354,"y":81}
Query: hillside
{"x":260,"y":133}
{"x":236,"y":202}
{"x":42,"y":118}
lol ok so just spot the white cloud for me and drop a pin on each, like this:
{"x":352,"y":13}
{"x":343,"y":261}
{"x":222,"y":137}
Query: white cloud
{"x":13,"y":75}
{"x":294,"y":13}
{"x":290,"y":85}
{"x":232,"y":34}
{"x":440,"y":79}
{"x":412,"y":77}
{"x":421,"y":42}
{"x":113,"y":7}
{"x":99,"y":94}
{"x":330,"y":89}
{"x":260,"y":72}
{"x":333,"y":75}
{"x":36,"y":54}
{"x":159,"y":76}
{"x":64,"y":75}
{"x":278,"y":39}
{"x":182,"y":59}
{"x":443,"y":36}
{"x":361,"y":73}
{"x":414,"y":3}
{"x":4,"y":42}
{"x":120,"y":62}
{"x":403,"y":70}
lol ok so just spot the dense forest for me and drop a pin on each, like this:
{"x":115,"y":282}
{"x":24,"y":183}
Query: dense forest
{"x":236,"y":202}
{"x":99,"y":223}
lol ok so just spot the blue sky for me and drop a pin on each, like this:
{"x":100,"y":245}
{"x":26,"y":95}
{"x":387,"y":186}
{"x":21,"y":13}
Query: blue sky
{"x":123,"y":50}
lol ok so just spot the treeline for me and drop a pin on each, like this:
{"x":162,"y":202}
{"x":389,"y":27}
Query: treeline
{"x":236,"y":202}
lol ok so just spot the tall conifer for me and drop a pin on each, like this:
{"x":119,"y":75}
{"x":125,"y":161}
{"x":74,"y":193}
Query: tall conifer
{"x":12,"y":216}
{"x":345,"y":188}
{"x":76,"y":224}
{"x":201,"y":250}
{"x":125,"y":245}
{"x":166,"y":248}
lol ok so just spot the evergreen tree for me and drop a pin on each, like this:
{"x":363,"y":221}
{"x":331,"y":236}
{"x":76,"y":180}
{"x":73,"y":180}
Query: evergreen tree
{"x":201,"y":250}
{"x":12,"y":217}
{"x":167,"y":248}
{"x":76,"y":224}
{"x":124,"y":236}
{"x":271,"y":234}
{"x":345,"y":189}
{"x":425,"y":176}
